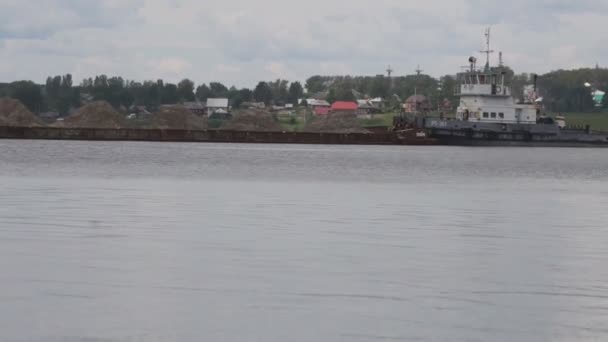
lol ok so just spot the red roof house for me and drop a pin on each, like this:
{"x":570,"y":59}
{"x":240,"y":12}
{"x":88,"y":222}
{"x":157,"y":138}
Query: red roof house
{"x":321,"y":110}
{"x":344,"y":106}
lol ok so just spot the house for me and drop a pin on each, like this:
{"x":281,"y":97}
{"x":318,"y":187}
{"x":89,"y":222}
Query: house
{"x":416,"y":103}
{"x":49,"y":115}
{"x":141,"y":110}
{"x":86,"y":98}
{"x":312,"y":103}
{"x":217,"y":105}
{"x":369,"y":107}
{"x":378,"y":102}
{"x":321,"y":110}
{"x":253,"y":105}
{"x":319,"y":107}
{"x":344,"y":107}
{"x":366,"y":109}
{"x":196,"y":108}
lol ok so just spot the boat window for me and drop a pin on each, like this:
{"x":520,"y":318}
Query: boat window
{"x":501,"y":115}
{"x":493,"y":115}
{"x":485,"y":114}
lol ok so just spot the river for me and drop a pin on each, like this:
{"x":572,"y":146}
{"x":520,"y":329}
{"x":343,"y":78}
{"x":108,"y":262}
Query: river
{"x":117,"y":241}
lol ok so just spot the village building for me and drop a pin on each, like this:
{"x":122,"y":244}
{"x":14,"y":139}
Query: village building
{"x":49,"y":116}
{"x":253,"y":105}
{"x":217,"y":106}
{"x":367,"y":108}
{"x":416,"y":104}
{"x":344,"y":107}
{"x":318,"y":107}
{"x":196,"y":108}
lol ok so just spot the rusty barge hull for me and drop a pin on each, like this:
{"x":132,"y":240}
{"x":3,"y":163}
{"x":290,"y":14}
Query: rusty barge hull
{"x":209,"y":136}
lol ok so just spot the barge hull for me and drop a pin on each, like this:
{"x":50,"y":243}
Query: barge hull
{"x":210,"y":136}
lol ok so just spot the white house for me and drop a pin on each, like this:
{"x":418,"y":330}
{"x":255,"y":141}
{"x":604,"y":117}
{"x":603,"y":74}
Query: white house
{"x":217,"y":105}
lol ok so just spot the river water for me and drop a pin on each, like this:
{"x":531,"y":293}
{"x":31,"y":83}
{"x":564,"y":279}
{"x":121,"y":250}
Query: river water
{"x":119,"y":241}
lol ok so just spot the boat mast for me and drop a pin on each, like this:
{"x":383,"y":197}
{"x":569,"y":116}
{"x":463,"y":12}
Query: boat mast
{"x":488,"y":51}
{"x":418,"y":72}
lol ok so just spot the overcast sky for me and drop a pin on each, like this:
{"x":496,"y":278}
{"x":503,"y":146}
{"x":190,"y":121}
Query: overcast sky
{"x":243,"y":41}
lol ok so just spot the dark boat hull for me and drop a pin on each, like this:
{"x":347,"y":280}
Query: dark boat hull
{"x":466,"y":133}
{"x":464,"y":141}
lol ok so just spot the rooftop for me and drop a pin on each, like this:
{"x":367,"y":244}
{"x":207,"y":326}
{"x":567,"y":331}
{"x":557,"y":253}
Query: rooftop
{"x":217,"y":103}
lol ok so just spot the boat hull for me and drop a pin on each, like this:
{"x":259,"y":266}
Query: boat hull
{"x":467,"y":133}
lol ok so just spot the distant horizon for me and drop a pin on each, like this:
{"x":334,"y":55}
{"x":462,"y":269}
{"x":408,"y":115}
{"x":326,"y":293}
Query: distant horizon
{"x":77,"y":82}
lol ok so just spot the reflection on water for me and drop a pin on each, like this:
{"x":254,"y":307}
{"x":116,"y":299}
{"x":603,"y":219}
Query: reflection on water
{"x":187,"y":242}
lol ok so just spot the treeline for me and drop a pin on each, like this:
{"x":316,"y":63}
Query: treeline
{"x":563,"y":90}
{"x":60,"y":95}
{"x":394,"y":89}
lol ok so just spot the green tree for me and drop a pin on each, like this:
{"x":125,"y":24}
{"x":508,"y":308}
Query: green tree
{"x":246,"y":94}
{"x":218,"y":90}
{"x":203,"y":92}
{"x":263,"y":93}
{"x":169,"y":94}
{"x":315,"y":84}
{"x":29,"y":93}
{"x":342,"y":91}
{"x":185,"y":90}
{"x":237,"y":97}
{"x":296,"y":92}
{"x":380,"y":87}
{"x":331,"y":96}
{"x":114,"y":93}
{"x":280,"y":92}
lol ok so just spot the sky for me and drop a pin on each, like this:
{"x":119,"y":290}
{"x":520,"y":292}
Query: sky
{"x":241,"y":42}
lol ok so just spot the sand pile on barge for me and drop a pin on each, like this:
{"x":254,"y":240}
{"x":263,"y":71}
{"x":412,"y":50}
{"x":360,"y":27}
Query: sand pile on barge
{"x":336,"y":123}
{"x":14,"y":113}
{"x":99,"y":114}
{"x":176,"y":117}
{"x":253,"y":120}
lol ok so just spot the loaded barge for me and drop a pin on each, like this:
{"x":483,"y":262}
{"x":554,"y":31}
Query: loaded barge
{"x":215,"y":136}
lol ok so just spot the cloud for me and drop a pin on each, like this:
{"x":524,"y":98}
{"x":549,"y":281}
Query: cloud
{"x":223,"y":68}
{"x":171,"y":67}
{"x":241,"y":42}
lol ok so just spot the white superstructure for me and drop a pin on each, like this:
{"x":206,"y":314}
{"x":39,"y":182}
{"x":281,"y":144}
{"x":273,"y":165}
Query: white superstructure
{"x":485,"y":97}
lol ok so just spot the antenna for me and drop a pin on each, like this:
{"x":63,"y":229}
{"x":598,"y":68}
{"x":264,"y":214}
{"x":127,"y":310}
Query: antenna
{"x":488,"y":51}
{"x":389,"y":71}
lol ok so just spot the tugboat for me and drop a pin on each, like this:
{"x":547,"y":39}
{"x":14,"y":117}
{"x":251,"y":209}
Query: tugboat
{"x":489,"y":115}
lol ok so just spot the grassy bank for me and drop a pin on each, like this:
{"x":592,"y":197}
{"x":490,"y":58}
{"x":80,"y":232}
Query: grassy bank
{"x":597,"y":121}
